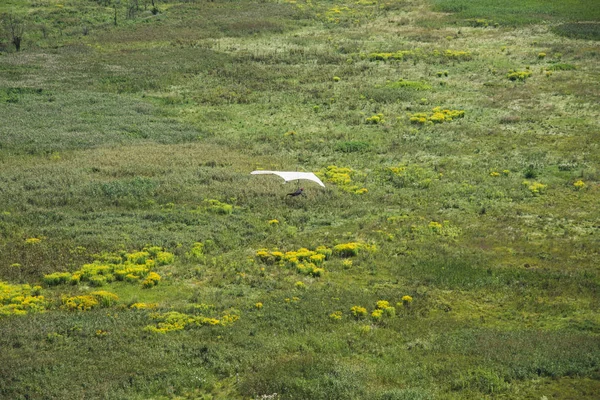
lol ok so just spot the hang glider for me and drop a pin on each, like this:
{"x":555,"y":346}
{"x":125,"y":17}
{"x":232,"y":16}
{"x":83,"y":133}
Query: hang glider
{"x":291,"y":176}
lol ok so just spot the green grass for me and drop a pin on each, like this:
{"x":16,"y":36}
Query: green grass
{"x":119,"y":137}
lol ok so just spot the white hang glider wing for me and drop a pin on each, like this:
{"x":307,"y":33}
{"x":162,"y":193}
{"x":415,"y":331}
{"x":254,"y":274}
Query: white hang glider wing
{"x":292,"y":176}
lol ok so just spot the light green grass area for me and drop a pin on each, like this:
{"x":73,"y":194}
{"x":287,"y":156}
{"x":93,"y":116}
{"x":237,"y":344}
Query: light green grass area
{"x":452,"y":255}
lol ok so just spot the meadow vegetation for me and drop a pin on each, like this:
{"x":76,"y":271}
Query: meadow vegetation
{"x":453,"y":254}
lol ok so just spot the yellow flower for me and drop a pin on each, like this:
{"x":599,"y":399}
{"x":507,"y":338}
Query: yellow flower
{"x":32,"y":240}
{"x":358,"y":311}
{"x":382,"y":304}
{"x":579,"y":184}
{"x":259,"y":305}
{"x":335,"y":316}
{"x":376,"y":315}
{"x":273,"y":222}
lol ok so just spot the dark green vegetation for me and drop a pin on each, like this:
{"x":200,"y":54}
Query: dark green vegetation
{"x":115,"y":137}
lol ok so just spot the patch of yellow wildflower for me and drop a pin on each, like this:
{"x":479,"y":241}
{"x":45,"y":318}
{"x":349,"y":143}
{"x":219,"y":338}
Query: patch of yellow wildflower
{"x":375,"y":119}
{"x":273,"y":222}
{"x":336,"y":316}
{"x":455,"y":55}
{"x":341,"y":177}
{"x":20,"y":299}
{"x":176,"y":321}
{"x":518,"y":75}
{"x":444,"y":229}
{"x":450,"y":55}
{"x":395,"y":56}
{"x":258,"y":305}
{"x":32,"y":241}
{"x":338,"y":14}
{"x":535,"y":188}
{"x":358,"y":312}
{"x":151,"y":280}
{"x":99,"y":299}
{"x":352,"y":249}
{"x":411,"y":176}
{"x":437,"y":116}
{"x":218,"y":207}
{"x":143,"y":306}
{"x":128,"y":267}
{"x":579,"y":184}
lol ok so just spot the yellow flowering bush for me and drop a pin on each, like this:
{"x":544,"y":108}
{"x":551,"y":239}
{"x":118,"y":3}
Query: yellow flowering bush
{"x":258,"y":305}
{"x":382,"y":304}
{"x":151,"y":280}
{"x":143,"y":306}
{"x":375,"y":119}
{"x":579,"y":184}
{"x":164,"y":258}
{"x":437,"y":116}
{"x":105,"y":299}
{"x":196,"y":252}
{"x":176,"y":321}
{"x":341,"y":177}
{"x":317,"y":259}
{"x":535,"y":188}
{"x":129,"y":267}
{"x":457,"y":55}
{"x":300,"y":285}
{"x":358,"y":312}
{"x":20,"y":299}
{"x":310,"y":269}
{"x":435,"y":226}
{"x":518,"y":75}
{"x":336,"y":316}
{"x":406,"y":300}
{"x":352,"y":249}
{"x":56,"y":278}
{"x":410,"y":176}
{"x":376,"y":315}
{"x":87,"y":302}
{"x":79,"y":303}
{"x":326,"y":251}
{"x":396,"y":56}
{"x":217,"y":207}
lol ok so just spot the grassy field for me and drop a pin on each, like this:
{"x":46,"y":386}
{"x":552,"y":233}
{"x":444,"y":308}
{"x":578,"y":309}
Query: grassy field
{"x":453,"y":254}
